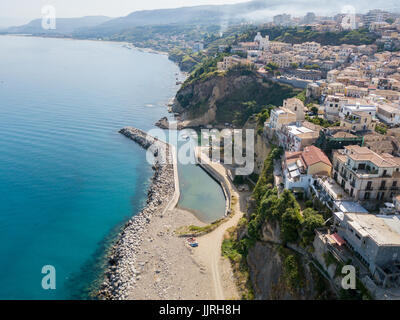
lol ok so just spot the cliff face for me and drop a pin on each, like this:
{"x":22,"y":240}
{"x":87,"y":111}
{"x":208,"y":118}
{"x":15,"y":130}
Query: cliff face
{"x":230,"y":97}
{"x":261,"y":146}
{"x":281,"y":273}
{"x":271,"y":279}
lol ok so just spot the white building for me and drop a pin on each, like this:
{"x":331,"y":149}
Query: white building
{"x":263,"y":42}
{"x":348,"y":109}
{"x":389,"y":114}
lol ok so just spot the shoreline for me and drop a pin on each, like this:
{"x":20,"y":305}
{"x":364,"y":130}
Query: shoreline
{"x":147,"y":50}
{"x":163,"y":195}
{"x":150,"y":261}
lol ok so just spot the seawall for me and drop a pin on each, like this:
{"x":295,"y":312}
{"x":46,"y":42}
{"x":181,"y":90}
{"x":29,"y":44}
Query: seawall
{"x":163,"y":195}
{"x":218,"y":177}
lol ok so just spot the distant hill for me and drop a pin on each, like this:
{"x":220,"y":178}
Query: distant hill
{"x":200,"y":15}
{"x":63,"y":25}
{"x":104,"y":26}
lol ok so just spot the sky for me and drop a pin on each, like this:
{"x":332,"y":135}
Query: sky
{"x":18,"y":12}
{"x":22,"y":11}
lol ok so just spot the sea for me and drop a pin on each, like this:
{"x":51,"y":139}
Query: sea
{"x":68,"y":180}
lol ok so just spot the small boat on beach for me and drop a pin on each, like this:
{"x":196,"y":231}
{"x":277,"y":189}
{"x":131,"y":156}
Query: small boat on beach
{"x":192,"y":242}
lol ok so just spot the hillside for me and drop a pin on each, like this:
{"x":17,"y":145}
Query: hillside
{"x":227,"y":97}
{"x":196,"y":15}
{"x":64,"y":26}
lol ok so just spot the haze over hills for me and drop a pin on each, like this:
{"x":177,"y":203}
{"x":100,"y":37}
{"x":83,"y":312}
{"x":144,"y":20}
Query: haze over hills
{"x":253,"y":11}
{"x":63,"y":26}
{"x":201,"y":15}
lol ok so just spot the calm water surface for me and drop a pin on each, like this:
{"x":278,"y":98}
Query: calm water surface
{"x":68,"y":180}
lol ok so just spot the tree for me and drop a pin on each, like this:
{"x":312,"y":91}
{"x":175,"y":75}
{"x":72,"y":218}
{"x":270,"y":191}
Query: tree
{"x":312,"y":220}
{"x":290,"y":225}
{"x":314,"y":110}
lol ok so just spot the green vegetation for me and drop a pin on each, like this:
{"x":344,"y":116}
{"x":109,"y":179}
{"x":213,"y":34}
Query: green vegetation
{"x":361,"y":293}
{"x":196,"y":230}
{"x":381,"y":128}
{"x":266,"y":180}
{"x":299,"y":35}
{"x":271,"y":66}
{"x":205,"y":69}
{"x":232,"y":250}
{"x":314,"y":110}
{"x":329,"y":259}
{"x":186,"y":58}
{"x":312,"y":221}
{"x":251,"y":98}
{"x":262,"y":117}
{"x":312,"y":67}
{"x":302,"y":96}
{"x":322,"y":122}
{"x":292,"y":273}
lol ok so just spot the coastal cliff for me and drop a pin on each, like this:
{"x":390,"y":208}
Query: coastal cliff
{"x":121,"y":269}
{"x":227,"y":97}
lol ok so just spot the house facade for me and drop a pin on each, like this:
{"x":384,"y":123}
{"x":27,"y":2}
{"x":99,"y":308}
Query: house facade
{"x":366,"y":175}
{"x":301,"y":168}
{"x":376,"y":241}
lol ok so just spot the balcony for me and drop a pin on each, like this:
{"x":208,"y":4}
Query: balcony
{"x":352,"y":119}
{"x":381,"y":188}
{"x":394,"y":188}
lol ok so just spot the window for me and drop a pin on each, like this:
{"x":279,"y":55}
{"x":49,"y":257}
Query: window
{"x":367,"y":196}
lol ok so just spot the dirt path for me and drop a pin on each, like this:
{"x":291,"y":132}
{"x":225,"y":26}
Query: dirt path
{"x":209,"y":250}
{"x":168,"y":269}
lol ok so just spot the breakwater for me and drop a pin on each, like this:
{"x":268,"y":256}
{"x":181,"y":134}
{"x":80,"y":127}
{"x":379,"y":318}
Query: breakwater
{"x":122,"y":272}
{"x":218,"y":177}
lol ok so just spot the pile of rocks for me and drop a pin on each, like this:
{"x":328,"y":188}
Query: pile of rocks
{"x":163,"y":123}
{"x":121,"y":273}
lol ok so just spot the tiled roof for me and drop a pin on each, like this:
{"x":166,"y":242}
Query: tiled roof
{"x":312,"y":155}
{"x":358,"y":153}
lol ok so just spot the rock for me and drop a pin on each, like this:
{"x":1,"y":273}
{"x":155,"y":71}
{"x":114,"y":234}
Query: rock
{"x":121,"y":274}
{"x":163,"y":123}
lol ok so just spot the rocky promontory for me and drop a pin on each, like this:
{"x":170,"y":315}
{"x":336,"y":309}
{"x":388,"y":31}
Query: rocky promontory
{"x":163,"y":123}
{"x":122,"y":272}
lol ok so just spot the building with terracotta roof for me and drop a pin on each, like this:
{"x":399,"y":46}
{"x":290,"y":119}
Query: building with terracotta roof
{"x":300,"y":168}
{"x":366,"y":175}
{"x":379,"y":143}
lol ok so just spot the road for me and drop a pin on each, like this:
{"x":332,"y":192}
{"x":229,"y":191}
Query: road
{"x":209,"y":250}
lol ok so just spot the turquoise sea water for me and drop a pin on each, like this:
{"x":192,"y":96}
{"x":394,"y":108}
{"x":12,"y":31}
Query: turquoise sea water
{"x":68,"y":180}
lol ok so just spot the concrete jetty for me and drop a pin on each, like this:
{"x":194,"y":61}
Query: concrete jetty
{"x":163,"y":195}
